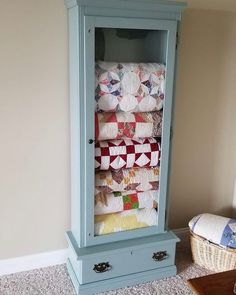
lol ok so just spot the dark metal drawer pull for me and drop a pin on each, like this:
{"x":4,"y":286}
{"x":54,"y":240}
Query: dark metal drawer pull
{"x":102,"y":267}
{"x":159,"y":256}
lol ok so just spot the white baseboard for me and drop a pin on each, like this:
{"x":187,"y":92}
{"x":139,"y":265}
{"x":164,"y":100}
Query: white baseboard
{"x":30,"y":262}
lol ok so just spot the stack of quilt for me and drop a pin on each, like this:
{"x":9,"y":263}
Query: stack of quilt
{"x":128,"y":126}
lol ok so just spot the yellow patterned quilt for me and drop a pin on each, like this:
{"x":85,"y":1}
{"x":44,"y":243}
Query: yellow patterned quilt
{"x":126,"y":220}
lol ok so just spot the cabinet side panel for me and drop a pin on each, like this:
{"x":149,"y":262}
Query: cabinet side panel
{"x":168,"y":197}
{"x":166,"y":134}
{"x":77,"y":187}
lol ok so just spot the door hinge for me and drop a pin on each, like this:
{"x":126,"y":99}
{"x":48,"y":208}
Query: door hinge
{"x":171,"y":133}
{"x":177,"y":40}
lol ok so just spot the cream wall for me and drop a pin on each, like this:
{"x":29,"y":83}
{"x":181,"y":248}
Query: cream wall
{"x":221,"y":5}
{"x":34,"y":123}
{"x":34,"y":127}
{"x":204,"y":146}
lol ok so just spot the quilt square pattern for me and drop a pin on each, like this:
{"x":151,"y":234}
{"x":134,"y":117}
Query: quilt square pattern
{"x":138,"y":179}
{"x":129,"y":87}
{"x":130,"y":201}
{"x":127,"y":153}
{"x":121,"y":201}
{"x":128,"y":125}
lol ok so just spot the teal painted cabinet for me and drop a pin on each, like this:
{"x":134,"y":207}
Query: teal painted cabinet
{"x":122,"y":65}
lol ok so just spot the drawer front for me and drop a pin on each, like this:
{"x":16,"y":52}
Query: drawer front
{"x":125,"y":262}
{"x":154,"y":257}
{"x":117,"y":262}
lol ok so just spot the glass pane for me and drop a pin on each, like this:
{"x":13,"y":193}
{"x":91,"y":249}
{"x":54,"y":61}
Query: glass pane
{"x":129,"y":103}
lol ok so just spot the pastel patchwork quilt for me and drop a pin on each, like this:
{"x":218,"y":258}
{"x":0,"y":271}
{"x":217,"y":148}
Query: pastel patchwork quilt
{"x":121,"y":201}
{"x":126,"y":220}
{"x":127,"y":125}
{"x":127,"y":153}
{"x":217,"y":229}
{"x":129,"y":87}
{"x":139,"y":179}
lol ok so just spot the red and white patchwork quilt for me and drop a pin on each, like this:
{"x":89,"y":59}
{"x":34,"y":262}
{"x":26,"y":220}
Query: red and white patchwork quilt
{"x":127,"y":125}
{"x":127,"y":153}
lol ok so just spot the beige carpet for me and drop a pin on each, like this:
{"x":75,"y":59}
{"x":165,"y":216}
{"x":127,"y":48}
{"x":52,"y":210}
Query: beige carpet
{"x":55,"y":280}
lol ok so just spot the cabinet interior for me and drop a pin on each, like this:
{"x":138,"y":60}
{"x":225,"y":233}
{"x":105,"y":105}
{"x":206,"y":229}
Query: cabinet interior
{"x":124,"y":47}
{"x":130,"y":45}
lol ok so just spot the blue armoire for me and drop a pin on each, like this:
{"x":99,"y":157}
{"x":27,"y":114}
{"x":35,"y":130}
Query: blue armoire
{"x":107,"y":39}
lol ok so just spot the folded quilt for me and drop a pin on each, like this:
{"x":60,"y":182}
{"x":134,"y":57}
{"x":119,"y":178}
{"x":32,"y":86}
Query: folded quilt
{"x":129,"y":87}
{"x":217,"y":229}
{"x":127,"y":153}
{"x":121,"y":201}
{"x":127,"y":125}
{"x":126,"y":220}
{"x":139,"y":179}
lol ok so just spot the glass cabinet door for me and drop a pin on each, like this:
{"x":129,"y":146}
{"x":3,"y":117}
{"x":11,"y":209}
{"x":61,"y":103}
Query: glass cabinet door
{"x":129,"y":69}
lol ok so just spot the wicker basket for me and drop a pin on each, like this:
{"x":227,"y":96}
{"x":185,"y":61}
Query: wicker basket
{"x":212,"y":256}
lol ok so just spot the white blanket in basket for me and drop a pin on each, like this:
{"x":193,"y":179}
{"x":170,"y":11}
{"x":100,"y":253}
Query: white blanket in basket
{"x":217,"y":229}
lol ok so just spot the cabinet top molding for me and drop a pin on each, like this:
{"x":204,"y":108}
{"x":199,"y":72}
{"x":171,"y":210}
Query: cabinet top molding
{"x":153,"y":5}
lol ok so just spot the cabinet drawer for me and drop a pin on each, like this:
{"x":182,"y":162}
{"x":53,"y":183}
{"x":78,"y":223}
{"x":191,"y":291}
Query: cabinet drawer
{"x":118,"y":263}
{"x":154,"y":257}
